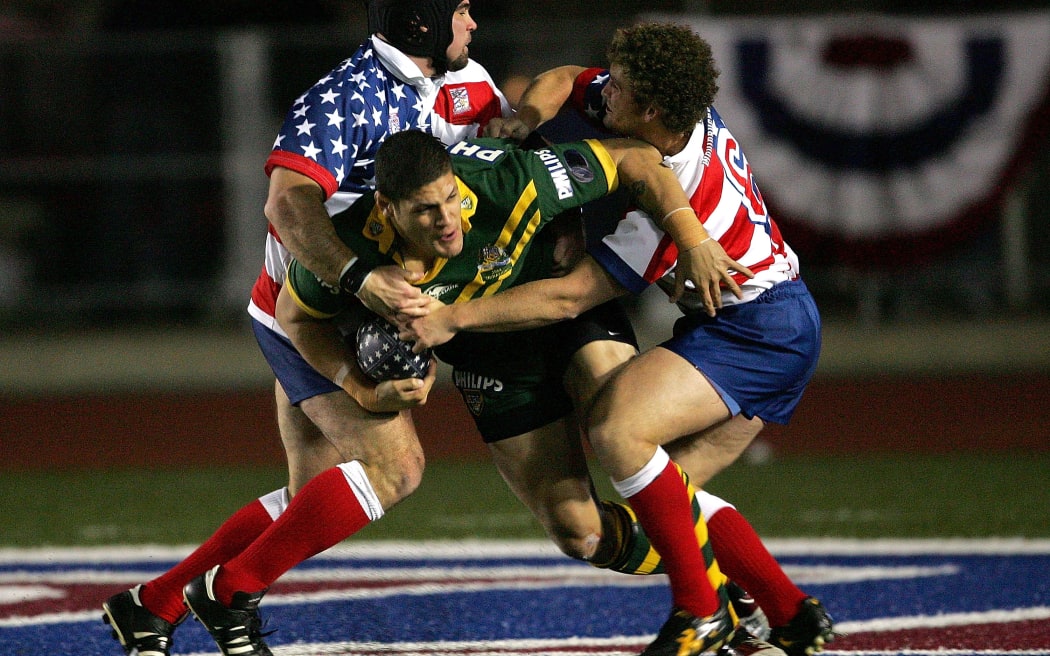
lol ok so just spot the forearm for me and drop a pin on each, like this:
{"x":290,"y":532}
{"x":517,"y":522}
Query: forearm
{"x":538,"y":303}
{"x":657,"y":190}
{"x":295,"y":207}
{"x":321,"y":345}
{"x":519,"y":308}
{"x":545,"y":95}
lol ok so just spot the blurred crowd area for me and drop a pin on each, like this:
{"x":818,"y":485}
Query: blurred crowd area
{"x":131,"y":186}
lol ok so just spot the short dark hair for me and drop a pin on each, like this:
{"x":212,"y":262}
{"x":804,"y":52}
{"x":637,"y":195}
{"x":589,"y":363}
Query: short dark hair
{"x":669,"y":67}
{"x":408,"y":160}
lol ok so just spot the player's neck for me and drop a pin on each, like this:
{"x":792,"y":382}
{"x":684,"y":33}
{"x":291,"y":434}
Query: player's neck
{"x":416,"y":264}
{"x":668,"y":143}
{"x":425,"y":64}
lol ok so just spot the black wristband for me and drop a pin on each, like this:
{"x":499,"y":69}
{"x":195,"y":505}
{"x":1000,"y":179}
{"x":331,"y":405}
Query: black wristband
{"x":353,"y":276}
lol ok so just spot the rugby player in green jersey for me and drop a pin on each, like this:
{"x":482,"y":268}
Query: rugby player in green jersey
{"x":468,"y":227}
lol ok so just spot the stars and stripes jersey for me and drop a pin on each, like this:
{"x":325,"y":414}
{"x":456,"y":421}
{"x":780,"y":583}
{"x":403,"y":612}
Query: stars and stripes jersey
{"x":332,"y":132}
{"x":508,"y":195}
{"x":722,"y":189}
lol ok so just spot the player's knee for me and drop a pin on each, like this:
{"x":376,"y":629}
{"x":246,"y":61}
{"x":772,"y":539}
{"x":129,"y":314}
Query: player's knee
{"x":578,"y":547}
{"x":398,"y":478}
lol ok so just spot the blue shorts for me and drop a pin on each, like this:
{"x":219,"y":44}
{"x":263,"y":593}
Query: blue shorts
{"x":299,"y":380}
{"x":759,"y":355}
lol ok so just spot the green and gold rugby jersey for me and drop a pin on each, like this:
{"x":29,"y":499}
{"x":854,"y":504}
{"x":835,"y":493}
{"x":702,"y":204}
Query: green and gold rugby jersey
{"x":508,"y":194}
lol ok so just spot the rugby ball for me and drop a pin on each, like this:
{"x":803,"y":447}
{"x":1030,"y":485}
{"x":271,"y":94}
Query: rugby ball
{"x":383,"y":356}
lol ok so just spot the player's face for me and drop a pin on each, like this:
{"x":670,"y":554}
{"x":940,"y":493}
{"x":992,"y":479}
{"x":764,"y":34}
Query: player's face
{"x":462,"y":27}
{"x":430,"y":221}
{"x":622,"y":113}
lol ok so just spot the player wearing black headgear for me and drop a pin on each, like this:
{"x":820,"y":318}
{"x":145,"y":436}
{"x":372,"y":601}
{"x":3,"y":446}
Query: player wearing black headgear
{"x":412,"y":72}
{"x":419,"y":28}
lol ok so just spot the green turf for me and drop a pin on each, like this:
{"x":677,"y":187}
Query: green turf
{"x":973,"y":495}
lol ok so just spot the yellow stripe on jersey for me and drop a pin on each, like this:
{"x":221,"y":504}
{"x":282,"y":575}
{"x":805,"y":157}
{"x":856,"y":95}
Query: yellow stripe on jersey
{"x":523,"y":241}
{"x":606,"y":160}
{"x":510,"y":227}
{"x":316,"y":314}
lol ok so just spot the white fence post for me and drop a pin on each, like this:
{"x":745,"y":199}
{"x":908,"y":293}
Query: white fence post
{"x":247,"y":133}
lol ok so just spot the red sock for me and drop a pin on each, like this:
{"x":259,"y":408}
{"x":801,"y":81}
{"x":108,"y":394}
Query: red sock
{"x":665,"y":511}
{"x":744,"y":559}
{"x":163,"y":595}
{"x":323,"y":513}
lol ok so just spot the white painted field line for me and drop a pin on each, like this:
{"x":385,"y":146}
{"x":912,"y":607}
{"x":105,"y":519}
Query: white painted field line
{"x":944,"y":620}
{"x":485,"y":549}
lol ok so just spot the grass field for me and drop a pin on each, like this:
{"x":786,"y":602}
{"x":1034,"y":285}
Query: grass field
{"x":964,"y":495}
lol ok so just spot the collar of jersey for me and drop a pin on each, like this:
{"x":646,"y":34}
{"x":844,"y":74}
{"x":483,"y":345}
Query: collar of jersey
{"x":406,"y":69}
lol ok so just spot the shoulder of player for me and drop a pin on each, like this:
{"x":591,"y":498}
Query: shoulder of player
{"x":351,"y":223}
{"x":482,"y":153}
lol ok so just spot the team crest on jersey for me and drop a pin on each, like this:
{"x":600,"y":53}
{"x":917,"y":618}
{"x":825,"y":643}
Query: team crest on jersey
{"x":473,"y":387}
{"x":475,"y":401}
{"x":493,"y":262}
{"x":394,"y":122}
{"x":375,"y":227}
{"x":460,"y":100}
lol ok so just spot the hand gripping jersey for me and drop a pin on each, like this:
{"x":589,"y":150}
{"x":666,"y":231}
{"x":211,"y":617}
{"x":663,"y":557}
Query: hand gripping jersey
{"x":721,"y":188}
{"x":332,"y":132}
{"x":508,"y":195}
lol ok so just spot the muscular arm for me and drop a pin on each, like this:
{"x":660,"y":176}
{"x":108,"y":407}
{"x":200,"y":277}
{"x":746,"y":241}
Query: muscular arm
{"x":530,"y":305}
{"x":295,"y":207}
{"x":545,"y":95}
{"x":657,"y":191}
{"x":321,"y":345}
{"x":539,"y":103}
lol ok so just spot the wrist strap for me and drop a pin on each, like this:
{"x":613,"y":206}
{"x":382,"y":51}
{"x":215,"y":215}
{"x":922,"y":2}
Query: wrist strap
{"x":353,"y":276}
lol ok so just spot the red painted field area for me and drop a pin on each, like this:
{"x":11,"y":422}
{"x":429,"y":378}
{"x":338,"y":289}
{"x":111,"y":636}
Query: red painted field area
{"x":837,"y":416}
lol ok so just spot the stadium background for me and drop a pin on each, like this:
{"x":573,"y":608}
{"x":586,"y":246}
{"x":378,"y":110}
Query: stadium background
{"x":129,"y":242}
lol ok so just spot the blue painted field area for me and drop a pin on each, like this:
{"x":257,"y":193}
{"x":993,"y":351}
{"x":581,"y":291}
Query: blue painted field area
{"x":913,"y":597}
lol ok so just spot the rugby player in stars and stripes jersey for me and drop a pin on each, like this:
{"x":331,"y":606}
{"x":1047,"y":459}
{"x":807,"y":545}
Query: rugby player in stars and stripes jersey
{"x":679,"y":413}
{"x":414,"y":72}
